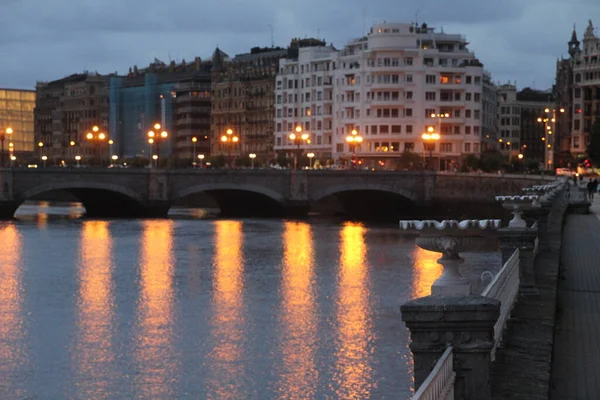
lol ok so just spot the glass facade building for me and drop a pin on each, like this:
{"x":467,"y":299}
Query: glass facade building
{"x":135,"y":105}
{"x":16,"y":112}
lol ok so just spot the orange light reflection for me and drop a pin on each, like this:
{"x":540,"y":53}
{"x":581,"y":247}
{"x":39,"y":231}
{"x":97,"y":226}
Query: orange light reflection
{"x":228,"y":315}
{"x":353,"y":369}
{"x":154,"y":354}
{"x":299,"y":375}
{"x":95,"y":312}
{"x":12,"y":331}
{"x":426,"y":271}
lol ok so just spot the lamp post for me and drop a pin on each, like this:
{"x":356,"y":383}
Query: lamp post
{"x":310,"y":159}
{"x":110,"y":152}
{"x":12,"y":161}
{"x":77,"y":158}
{"x":44,"y":159}
{"x":155,"y":158}
{"x":201,"y":158}
{"x":113,"y":159}
{"x":8,"y":131}
{"x":96,"y":136}
{"x":252,"y":157}
{"x":194,"y":140}
{"x":41,"y":147}
{"x":549,"y":121}
{"x":297,"y":139}
{"x":429,"y":140}
{"x":229,"y":139}
{"x":157,"y":135}
{"x":353,"y":140}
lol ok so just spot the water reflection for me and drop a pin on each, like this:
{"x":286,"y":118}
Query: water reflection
{"x":156,"y":358}
{"x":94,"y":354}
{"x":353,"y":368}
{"x":299,"y":374}
{"x":42,"y":215}
{"x":12,"y":330}
{"x":426,"y":271}
{"x":228,"y":315}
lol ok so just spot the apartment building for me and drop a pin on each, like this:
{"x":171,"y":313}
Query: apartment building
{"x":389,"y":86}
{"x":304,"y":98}
{"x":243,"y":91}
{"x":586,"y":88}
{"x":65,"y":110}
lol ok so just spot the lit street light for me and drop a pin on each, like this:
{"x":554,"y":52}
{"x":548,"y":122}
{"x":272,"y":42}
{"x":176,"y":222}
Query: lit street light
{"x":353,"y":140}
{"x":298,"y":138}
{"x":310,"y":159}
{"x":77,"y":158}
{"x":157,"y":135}
{"x":44,"y":159}
{"x":429,"y":140}
{"x":8,"y":131}
{"x":194,"y":140}
{"x":155,"y":158}
{"x":201,"y":158}
{"x":229,"y":140}
{"x":252,"y":157}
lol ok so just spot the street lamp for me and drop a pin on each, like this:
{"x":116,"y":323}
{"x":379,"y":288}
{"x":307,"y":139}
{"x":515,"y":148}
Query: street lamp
{"x":8,"y":131}
{"x":194,"y":140}
{"x":44,"y":159}
{"x":229,"y":139}
{"x":297,"y":138}
{"x":155,"y":158}
{"x":310,"y":159}
{"x":549,"y":121}
{"x":252,"y":157}
{"x":95,"y":136}
{"x":157,"y":135}
{"x":12,"y":160}
{"x":201,"y":158}
{"x":353,"y":140}
{"x":77,"y":158}
{"x":520,"y":156}
{"x":429,"y":139}
{"x":113,"y":158}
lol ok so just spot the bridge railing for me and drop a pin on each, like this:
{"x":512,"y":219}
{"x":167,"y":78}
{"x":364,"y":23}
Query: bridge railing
{"x":439,"y":385}
{"x":504,"y":287}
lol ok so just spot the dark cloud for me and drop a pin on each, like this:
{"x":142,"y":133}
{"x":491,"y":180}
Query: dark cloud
{"x":43,"y":40}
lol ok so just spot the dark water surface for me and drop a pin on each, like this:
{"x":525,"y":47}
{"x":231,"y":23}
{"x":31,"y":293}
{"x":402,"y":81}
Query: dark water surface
{"x":201,"y":308}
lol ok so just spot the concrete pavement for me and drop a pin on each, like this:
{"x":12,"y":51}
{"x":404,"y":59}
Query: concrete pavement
{"x":576,"y":356}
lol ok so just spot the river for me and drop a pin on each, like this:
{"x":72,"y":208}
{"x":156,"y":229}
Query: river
{"x":197,"y":307}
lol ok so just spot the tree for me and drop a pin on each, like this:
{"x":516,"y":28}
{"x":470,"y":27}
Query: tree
{"x":409,"y":160}
{"x":593,"y":148}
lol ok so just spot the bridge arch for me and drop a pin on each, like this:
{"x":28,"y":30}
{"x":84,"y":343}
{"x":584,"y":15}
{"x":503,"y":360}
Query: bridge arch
{"x":362,"y":187}
{"x":239,"y":199}
{"x":100,"y":199}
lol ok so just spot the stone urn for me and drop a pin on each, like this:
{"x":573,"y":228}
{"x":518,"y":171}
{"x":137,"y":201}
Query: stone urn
{"x":450,"y":238}
{"x":517,"y":204}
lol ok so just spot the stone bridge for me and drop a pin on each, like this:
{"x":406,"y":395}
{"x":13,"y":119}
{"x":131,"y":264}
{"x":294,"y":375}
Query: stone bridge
{"x":151,"y":192}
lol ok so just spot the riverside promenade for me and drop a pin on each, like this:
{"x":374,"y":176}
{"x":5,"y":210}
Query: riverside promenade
{"x":576,"y":358}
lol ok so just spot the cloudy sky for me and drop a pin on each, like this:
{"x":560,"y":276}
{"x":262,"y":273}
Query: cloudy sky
{"x":49,"y":39}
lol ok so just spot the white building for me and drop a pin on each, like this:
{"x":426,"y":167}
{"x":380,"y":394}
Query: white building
{"x":390,"y":86}
{"x":304,"y":97}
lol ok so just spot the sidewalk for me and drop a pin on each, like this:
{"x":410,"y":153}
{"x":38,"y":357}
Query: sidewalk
{"x":576,"y":357}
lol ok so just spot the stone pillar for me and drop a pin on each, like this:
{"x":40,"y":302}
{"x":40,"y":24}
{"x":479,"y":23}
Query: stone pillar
{"x":539,"y":215}
{"x":465,"y":322}
{"x":525,"y":240}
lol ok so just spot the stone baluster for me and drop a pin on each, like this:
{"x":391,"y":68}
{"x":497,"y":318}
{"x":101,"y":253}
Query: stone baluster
{"x":452,"y":315}
{"x":517,"y":204}
{"x":519,"y":236}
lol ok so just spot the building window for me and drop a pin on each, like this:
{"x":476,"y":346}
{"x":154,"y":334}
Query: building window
{"x":477,"y":97}
{"x":575,"y":142}
{"x":408,"y":61}
{"x":445,"y":147}
{"x":467,"y":113}
{"x":467,"y":147}
{"x":408,"y":112}
{"x":409,"y":129}
{"x":396,"y":128}
{"x":409,"y":95}
{"x":430,"y":79}
{"x":373,"y":129}
{"x":430,"y":96}
{"x":467,"y":96}
{"x":467,"y":130}
{"x":469,"y":79}
{"x":409,"y":146}
{"x":278,"y":141}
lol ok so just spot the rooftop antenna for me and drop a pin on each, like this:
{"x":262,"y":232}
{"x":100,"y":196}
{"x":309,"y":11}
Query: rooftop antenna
{"x":272,"y":36}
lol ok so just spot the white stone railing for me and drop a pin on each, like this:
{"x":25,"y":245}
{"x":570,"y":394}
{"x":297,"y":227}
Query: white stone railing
{"x":504,"y":287}
{"x":439,"y":385}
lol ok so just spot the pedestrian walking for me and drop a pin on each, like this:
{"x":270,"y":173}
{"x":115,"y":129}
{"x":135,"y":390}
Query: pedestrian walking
{"x":591,"y":188}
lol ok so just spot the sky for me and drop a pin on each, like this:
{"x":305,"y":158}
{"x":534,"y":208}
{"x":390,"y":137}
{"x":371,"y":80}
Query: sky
{"x":41,"y":40}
